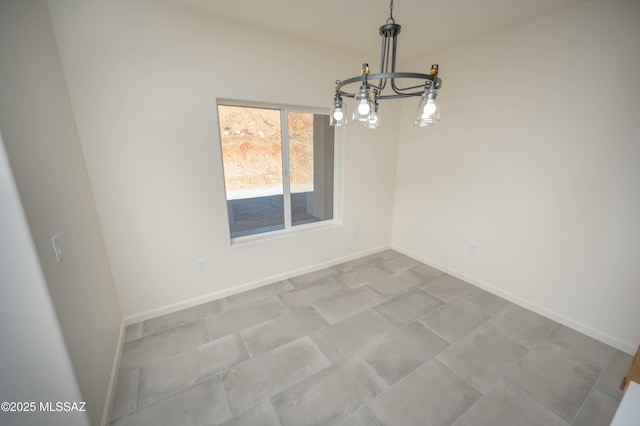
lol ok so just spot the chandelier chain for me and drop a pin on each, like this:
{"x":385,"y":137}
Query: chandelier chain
{"x":391,"y":20}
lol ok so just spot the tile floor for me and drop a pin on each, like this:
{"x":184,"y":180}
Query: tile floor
{"x":381,"y":340}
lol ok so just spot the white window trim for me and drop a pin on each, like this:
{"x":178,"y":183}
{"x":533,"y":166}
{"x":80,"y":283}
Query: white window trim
{"x":338,"y":174}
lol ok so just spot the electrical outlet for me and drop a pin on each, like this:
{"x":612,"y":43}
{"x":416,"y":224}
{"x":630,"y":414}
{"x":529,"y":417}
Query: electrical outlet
{"x":201,"y":265}
{"x":354,"y":232}
{"x":473,"y":248}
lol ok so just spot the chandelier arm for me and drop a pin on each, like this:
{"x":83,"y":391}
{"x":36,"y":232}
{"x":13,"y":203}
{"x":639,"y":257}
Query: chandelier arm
{"x":430,"y":82}
{"x":401,"y":95}
{"x":383,"y":76}
{"x":404,"y":89}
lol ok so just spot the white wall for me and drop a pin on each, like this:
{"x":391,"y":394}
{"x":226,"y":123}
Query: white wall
{"x":537,"y":162}
{"x":34,"y":363}
{"x":143,"y":79}
{"x":46,"y":158}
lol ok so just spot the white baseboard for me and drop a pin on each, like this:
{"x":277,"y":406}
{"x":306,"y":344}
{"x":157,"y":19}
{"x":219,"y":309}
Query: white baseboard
{"x":111,"y":390}
{"x":132,"y":319}
{"x":559,"y":318}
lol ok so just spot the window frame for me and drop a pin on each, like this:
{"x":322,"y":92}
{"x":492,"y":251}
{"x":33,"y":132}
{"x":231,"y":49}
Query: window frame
{"x":338,"y":172}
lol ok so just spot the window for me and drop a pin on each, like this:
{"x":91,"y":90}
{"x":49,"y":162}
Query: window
{"x":278,"y":167}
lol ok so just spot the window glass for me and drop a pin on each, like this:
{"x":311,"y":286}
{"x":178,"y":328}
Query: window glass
{"x":252,"y":156}
{"x":278,"y":168}
{"x":311,"y":167}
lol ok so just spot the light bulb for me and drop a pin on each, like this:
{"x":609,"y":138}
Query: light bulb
{"x":372,"y":122}
{"x":429,"y":108}
{"x":338,"y":112}
{"x":363,"y":107}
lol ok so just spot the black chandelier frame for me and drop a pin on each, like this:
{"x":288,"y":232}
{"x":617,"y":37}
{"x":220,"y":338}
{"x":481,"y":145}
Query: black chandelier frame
{"x":389,"y":32}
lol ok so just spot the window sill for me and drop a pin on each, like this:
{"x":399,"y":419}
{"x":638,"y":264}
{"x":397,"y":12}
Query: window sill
{"x":283,"y":233}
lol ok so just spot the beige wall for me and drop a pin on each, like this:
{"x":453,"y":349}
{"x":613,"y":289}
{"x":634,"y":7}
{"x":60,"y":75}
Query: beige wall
{"x":42,"y":145}
{"x":537,"y":163}
{"x":143,"y":78}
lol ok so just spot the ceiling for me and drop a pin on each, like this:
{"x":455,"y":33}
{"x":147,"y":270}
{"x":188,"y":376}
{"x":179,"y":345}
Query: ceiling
{"x":427,"y":25}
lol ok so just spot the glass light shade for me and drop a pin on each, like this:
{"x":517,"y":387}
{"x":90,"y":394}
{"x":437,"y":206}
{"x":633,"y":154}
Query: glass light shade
{"x":364,"y":104}
{"x":428,"y":112}
{"x":374,"y":120}
{"x":338,"y":114}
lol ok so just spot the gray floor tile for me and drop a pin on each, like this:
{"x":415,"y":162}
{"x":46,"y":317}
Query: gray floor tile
{"x":402,"y":351}
{"x":505,"y":405}
{"x":243,"y":316}
{"x":174,"y":368}
{"x":360,"y":417}
{"x":431,"y":395}
{"x":396,"y":285}
{"x":188,"y":367}
{"x":201,"y":405}
{"x":558,"y":379}
{"x":133,"y":332}
{"x":482,"y":357}
{"x":261,"y":377}
{"x":125,"y":396}
{"x":354,"y":264}
{"x":302,"y":280}
{"x":387,"y":255}
{"x":143,"y":351}
{"x":408,"y":307}
{"x":584,"y":346}
{"x":362,"y":276}
{"x":490,"y":302}
{"x":281,"y":329}
{"x":598,"y":410}
{"x":400,"y":263}
{"x":306,"y":295}
{"x":181,"y":317}
{"x":522,"y":325}
{"x":456,"y":319}
{"x":259,"y":293}
{"x":427,"y":272}
{"x":341,"y":339}
{"x":446,"y":287}
{"x":340,"y":306}
{"x":328,"y":395}
{"x":260,"y":415}
{"x":612,"y":376}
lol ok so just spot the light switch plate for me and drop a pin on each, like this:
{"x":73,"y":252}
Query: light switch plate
{"x":57,"y":250}
{"x":201,"y":265}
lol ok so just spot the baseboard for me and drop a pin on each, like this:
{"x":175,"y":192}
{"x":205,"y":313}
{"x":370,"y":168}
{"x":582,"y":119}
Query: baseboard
{"x":111,"y":390}
{"x":559,"y":318}
{"x":132,"y":319}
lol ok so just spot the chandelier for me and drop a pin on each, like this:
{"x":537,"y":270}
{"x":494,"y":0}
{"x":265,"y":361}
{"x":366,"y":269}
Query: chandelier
{"x":372,"y":87}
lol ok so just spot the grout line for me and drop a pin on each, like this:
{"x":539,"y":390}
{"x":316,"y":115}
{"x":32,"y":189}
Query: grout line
{"x":275,"y":411}
{"x":593,"y":388}
{"x":226,"y":397}
{"x":244,"y":343}
{"x":575,"y":416}
{"x":535,"y":401}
